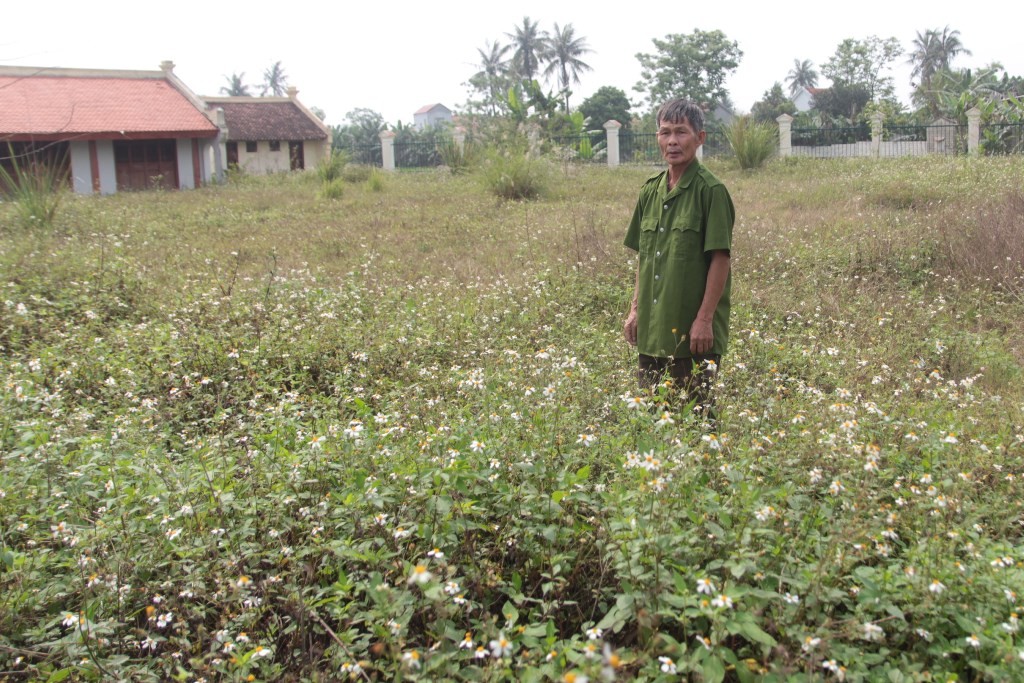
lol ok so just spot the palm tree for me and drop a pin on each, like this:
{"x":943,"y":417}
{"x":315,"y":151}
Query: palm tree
{"x":948,"y":46}
{"x":529,"y":43}
{"x":934,"y":51}
{"x":802,"y":75}
{"x":493,"y":72}
{"x":562,"y":52}
{"x":235,"y":86}
{"x":275,"y":82}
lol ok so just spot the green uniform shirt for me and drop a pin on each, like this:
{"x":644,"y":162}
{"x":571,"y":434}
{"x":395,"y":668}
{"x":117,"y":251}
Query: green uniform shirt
{"x":675,"y":233}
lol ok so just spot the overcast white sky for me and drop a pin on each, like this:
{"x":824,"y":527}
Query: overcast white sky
{"x":397,"y":56}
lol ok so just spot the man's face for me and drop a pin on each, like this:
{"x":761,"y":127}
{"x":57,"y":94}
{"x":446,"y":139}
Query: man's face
{"x":678,"y":142}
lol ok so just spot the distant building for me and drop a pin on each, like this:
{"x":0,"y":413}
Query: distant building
{"x":269,"y":134}
{"x":723,"y":114}
{"x":116,"y":130}
{"x":804,"y":98}
{"x":431,"y":115}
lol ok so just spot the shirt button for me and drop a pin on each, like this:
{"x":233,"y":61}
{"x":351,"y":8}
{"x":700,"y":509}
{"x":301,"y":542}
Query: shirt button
{"x":657,"y":277}
{"x":662,"y":229}
{"x":657,"y":253}
{"x":655,"y":301}
{"x":665,"y":207}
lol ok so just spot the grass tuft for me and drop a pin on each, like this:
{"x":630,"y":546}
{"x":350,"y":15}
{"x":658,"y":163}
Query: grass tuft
{"x":514,"y":174}
{"x":36,"y":187}
{"x":752,"y":142}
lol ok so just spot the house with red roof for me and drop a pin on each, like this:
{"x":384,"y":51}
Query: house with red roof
{"x":115,"y":130}
{"x":431,"y":115}
{"x":269,"y":134}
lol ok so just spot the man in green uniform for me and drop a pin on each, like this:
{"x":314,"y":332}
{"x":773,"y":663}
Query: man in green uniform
{"x":682,"y":230}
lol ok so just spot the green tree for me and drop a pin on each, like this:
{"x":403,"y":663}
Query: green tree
{"x":843,"y":101}
{"x":235,"y":86}
{"x":955,"y":91}
{"x":362,"y":128}
{"x":492,"y":80}
{"x":692,"y":65}
{"x":607,"y":104}
{"x":934,"y":51}
{"x":530,"y":44}
{"x":1011,"y":86}
{"x":563,"y":50}
{"x":864,"y":63}
{"x":772,"y":105}
{"x":275,"y":82}
{"x":802,"y":75}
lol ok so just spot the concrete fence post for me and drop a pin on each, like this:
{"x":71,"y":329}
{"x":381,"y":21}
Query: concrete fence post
{"x":387,"y":149}
{"x":876,"y":134}
{"x":533,"y":138}
{"x":459,"y":136}
{"x":611,"y":129}
{"x":785,"y":122}
{"x":974,"y":131}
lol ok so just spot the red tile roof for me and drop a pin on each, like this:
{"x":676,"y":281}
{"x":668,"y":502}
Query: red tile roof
{"x":89,"y":107}
{"x":427,"y":108}
{"x":254,"y":119}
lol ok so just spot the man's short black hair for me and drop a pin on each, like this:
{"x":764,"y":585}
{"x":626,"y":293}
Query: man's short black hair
{"x":678,"y":109}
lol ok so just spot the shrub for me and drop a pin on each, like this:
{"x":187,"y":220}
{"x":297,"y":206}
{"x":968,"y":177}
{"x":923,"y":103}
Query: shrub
{"x":332,"y":189}
{"x":458,"y":158}
{"x":375,"y":181}
{"x":331,"y":166}
{"x":753,"y":143}
{"x":516,"y":175}
{"x":35,"y":187}
{"x":356,"y":173}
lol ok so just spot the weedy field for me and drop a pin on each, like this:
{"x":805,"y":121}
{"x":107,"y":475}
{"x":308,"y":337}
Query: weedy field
{"x":249,"y":433}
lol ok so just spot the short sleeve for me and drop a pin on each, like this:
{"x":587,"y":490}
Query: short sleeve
{"x":632,"y":240}
{"x":721,"y":214}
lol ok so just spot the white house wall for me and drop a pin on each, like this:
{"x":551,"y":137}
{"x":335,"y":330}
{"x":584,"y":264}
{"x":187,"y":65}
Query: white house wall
{"x":315,"y":150}
{"x":263,"y":160}
{"x":108,"y":171}
{"x":81,"y":168}
{"x":803,"y":100}
{"x":186,"y":177}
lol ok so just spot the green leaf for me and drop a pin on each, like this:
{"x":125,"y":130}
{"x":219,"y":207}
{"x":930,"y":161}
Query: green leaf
{"x":714,"y":670}
{"x":754,"y":633}
{"x":895,"y":611}
{"x":510,"y":613}
{"x":58,"y":675}
{"x":558,"y":496}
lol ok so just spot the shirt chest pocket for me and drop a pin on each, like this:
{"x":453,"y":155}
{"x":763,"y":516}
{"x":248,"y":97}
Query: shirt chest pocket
{"x":649,"y":243}
{"x":686,"y":242}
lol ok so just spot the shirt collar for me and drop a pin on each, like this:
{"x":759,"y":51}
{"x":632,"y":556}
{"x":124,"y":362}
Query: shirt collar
{"x":684,"y":182}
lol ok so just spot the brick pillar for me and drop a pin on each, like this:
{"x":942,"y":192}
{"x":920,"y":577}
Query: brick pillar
{"x":387,"y":149}
{"x":611,"y":129}
{"x":785,"y":122}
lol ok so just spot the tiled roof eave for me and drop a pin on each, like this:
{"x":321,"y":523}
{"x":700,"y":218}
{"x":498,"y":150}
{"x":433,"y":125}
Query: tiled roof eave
{"x":71,"y":136}
{"x":286,"y":138}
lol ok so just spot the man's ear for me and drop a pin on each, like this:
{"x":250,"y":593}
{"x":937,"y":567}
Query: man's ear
{"x":702,"y":136}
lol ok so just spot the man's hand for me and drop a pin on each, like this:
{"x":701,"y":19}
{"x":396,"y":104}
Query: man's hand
{"x":629,"y":328}
{"x":702,"y":337}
